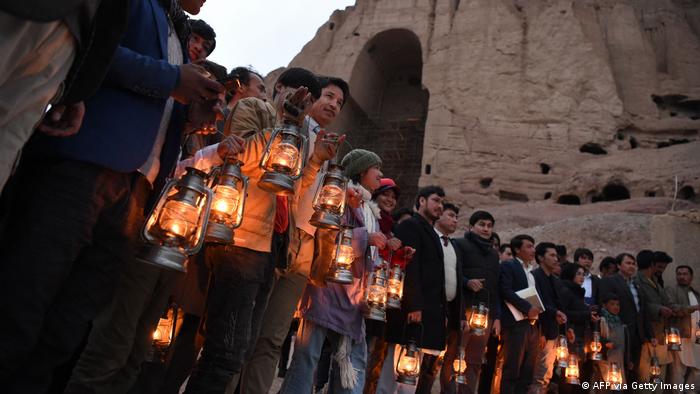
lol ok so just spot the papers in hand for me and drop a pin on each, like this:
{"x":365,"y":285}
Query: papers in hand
{"x":530,"y":295}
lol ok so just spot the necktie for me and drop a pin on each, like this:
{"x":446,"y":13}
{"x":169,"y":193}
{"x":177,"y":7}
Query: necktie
{"x":445,"y":240}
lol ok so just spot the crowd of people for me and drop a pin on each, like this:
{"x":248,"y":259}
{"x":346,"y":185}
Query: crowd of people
{"x":135,"y":102}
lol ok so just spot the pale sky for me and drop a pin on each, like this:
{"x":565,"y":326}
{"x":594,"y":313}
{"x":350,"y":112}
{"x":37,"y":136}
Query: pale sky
{"x":265,"y":34}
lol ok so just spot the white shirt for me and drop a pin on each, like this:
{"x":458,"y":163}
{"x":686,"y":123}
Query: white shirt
{"x":588,"y":286}
{"x":151,"y":167}
{"x":528,"y":272}
{"x":690,"y":351}
{"x":450,"y":260}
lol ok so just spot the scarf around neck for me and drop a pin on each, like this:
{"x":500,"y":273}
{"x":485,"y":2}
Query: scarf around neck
{"x":483,"y":244}
{"x":612,"y":320}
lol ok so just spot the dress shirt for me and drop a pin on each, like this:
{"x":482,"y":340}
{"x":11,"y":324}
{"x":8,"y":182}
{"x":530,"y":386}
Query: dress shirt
{"x":635,"y":293}
{"x":588,"y":287}
{"x":528,"y":272}
{"x":450,"y":260}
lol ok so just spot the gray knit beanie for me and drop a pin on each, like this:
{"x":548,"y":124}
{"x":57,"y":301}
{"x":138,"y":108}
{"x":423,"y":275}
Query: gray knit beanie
{"x":358,"y":161}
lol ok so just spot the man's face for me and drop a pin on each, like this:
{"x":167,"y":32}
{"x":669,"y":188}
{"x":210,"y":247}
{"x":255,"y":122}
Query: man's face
{"x":613,"y":306}
{"x":628,"y":267}
{"x":550,"y":261}
{"x":192,"y":6}
{"x":585,"y":262}
{"x":447,"y":222}
{"x":483,"y":228}
{"x":198,"y":48}
{"x":507,"y":254}
{"x":372,"y":178}
{"x":387,"y":200}
{"x":254,"y":88}
{"x":526,"y":252}
{"x":684,"y":277}
{"x":327,"y":107}
{"x":431,"y":207}
{"x":659,"y":268}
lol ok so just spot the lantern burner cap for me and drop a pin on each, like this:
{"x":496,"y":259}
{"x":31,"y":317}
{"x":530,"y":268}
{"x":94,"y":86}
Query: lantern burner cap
{"x":218,"y":233}
{"x":340,"y":276}
{"x":376,"y":314}
{"x":166,"y":257}
{"x":409,"y":380}
{"x":276,"y":183}
{"x":393,"y":302}
{"x":325,"y":220}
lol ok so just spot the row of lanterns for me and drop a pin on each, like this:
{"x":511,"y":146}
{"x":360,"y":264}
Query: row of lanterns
{"x":201,"y":207}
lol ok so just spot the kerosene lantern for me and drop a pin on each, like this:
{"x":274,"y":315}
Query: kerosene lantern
{"x":375,"y":294}
{"x":654,"y":370}
{"x":562,"y":351}
{"x":283,"y":159}
{"x":479,"y":319}
{"x":673,"y":339}
{"x":408,"y":365}
{"x":614,"y":378}
{"x":340,"y":271}
{"x":176,"y":225}
{"x":697,"y":334}
{"x":596,"y":347}
{"x":329,"y":202}
{"x":459,"y":367}
{"x":394,"y":291}
{"x":164,"y":333}
{"x":572,"y":372}
{"x":229,"y":187}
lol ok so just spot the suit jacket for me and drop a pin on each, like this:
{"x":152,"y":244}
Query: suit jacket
{"x":636,"y":322}
{"x":122,"y":119}
{"x":654,"y":297}
{"x":678,"y":297}
{"x":424,"y":288}
{"x":512,"y":278}
{"x":546,"y":287}
{"x":478,"y":263}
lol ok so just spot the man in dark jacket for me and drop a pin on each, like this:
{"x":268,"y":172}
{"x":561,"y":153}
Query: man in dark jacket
{"x":80,"y":200}
{"x":428,"y":293}
{"x":584,"y":258}
{"x":550,"y":319}
{"x":516,"y":357}
{"x":480,"y":269}
{"x":632,"y":311}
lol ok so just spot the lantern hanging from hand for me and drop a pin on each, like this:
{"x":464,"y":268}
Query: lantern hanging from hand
{"x":340,"y":271}
{"x":596,"y":347}
{"x":375,"y":293}
{"x":614,"y":378}
{"x":673,"y":339}
{"x":283,"y":160}
{"x":572,"y":372}
{"x":459,"y":367}
{"x":697,"y":333}
{"x":479,"y":319}
{"x":164,"y":334}
{"x":229,"y":187}
{"x":329,"y":202}
{"x":562,"y":351}
{"x":408,"y":365}
{"x":655,"y":370}
{"x":175,"y":227}
{"x":394,"y":291}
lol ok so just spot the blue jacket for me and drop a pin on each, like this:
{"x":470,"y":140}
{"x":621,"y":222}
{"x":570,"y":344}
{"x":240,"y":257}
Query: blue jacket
{"x":122,"y":118}
{"x":512,"y":279}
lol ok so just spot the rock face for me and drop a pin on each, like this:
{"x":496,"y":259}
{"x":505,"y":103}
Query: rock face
{"x":513,"y":101}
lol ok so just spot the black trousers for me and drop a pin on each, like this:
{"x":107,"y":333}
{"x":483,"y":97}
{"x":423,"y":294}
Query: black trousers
{"x":517,"y":357}
{"x":239,"y":274}
{"x":68,"y":232}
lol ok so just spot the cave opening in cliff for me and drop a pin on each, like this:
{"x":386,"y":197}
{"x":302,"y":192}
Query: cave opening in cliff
{"x":615,"y":192}
{"x":687,"y":193}
{"x":388,"y":106}
{"x":569,"y":199}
